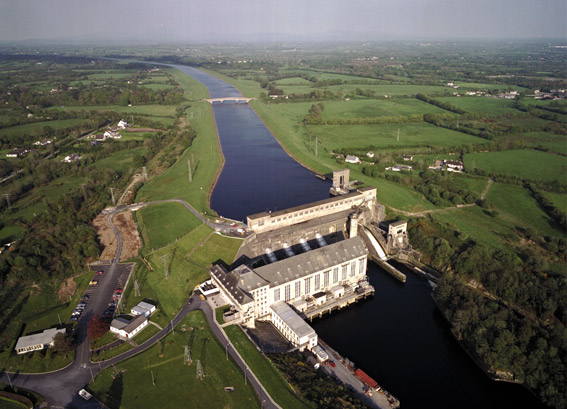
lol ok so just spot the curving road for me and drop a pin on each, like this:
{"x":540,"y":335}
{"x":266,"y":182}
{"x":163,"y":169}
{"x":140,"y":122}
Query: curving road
{"x":60,"y":387}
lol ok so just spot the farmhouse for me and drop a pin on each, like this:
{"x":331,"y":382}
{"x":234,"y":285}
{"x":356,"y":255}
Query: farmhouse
{"x":122,"y":124}
{"x":370,"y":154}
{"x":399,"y":168}
{"x":352,"y":159}
{"x":72,"y":158}
{"x":37,"y":342}
{"x":454,"y":165}
{"x":18,"y":153}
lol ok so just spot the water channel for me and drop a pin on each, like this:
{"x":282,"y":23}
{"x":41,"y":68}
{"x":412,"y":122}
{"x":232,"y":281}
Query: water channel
{"x":398,"y":337}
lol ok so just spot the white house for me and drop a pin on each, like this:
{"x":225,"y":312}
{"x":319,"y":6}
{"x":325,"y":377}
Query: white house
{"x":352,"y":159}
{"x":128,"y":328}
{"x":454,"y":166}
{"x":37,"y":342}
{"x":370,"y":154}
{"x":122,"y":124}
{"x":72,"y":157}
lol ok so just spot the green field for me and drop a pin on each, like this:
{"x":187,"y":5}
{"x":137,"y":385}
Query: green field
{"x":175,"y":384}
{"x":484,"y":105}
{"x":184,"y":272}
{"x":30,"y":128}
{"x":120,"y":161}
{"x":392,"y":90}
{"x":163,"y":223}
{"x":363,"y":137}
{"x":271,"y":378}
{"x":559,"y":200}
{"x":522,"y":163}
{"x":376,"y":108}
{"x":546,"y":140}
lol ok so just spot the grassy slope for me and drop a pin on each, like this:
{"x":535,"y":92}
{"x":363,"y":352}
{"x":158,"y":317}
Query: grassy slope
{"x":165,"y":222}
{"x":271,"y":378}
{"x":176,"y":384}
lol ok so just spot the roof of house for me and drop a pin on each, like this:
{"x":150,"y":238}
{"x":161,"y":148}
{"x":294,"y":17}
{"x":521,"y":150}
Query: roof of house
{"x":292,"y":319}
{"x":45,"y":337}
{"x":398,"y":223}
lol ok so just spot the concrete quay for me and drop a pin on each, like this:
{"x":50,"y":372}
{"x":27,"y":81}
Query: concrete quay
{"x":343,"y":372}
{"x":350,"y":296}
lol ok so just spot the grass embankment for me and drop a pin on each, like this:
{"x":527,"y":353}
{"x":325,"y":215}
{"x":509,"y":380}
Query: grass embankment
{"x":148,"y":332}
{"x":34,"y":310}
{"x":274,"y":382}
{"x":159,"y":377}
{"x":163,"y":223}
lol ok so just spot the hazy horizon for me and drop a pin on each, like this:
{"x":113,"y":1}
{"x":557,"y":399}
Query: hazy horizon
{"x":178,"y":21}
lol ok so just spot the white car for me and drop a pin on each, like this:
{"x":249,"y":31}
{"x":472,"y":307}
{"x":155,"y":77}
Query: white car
{"x":84,"y":394}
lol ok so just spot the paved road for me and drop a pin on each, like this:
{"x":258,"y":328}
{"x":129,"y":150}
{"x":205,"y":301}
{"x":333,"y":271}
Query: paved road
{"x":60,"y":387}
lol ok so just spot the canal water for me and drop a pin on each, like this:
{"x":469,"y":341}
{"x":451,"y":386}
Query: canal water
{"x":258,"y":175}
{"x":398,"y":337}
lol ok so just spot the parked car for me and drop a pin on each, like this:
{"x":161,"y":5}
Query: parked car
{"x":94,"y":282}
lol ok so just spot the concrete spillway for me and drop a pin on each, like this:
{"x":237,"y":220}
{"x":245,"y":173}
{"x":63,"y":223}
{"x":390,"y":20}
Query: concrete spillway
{"x":379,"y":255}
{"x":376,"y":245}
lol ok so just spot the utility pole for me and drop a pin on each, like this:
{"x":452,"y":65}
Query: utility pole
{"x":398,"y":138}
{"x":153,"y":379}
{"x":165,"y":266}
{"x":189,"y":167}
{"x":7,"y":197}
{"x":112,"y":194}
{"x":136,"y":287}
{"x":316,"y":143}
{"x":145,"y":173}
{"x":84,"y":191}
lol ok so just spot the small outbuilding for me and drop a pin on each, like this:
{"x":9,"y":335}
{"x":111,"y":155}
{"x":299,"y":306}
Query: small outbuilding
{"x":143,"y":308}
{"x":128,"y":328}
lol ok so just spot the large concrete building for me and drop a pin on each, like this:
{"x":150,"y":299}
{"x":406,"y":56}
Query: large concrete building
{"x":299,"y":280}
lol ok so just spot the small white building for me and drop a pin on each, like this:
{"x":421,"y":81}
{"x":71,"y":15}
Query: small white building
{"x":143,"y":308}
{"x":72,"y":157}
{"x":207,"y":288}
{"x":128,"y":328}
{"x":122,"y":124}
{"x":370,"y":154}
{"x":353,"y":159}
{"x":37,"y":342}
{"x":454,"y":166}
{"x":292,"y":326}
{"x":399,"y":168}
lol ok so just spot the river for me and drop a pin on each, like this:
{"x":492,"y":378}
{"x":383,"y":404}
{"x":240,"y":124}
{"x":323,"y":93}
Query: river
{"x":398,"y":337}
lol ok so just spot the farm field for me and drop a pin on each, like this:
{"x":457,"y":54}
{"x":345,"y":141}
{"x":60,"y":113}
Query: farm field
{"x":546,"y":140}
{"x":176,"y":384}
{"x":120,"y":161}
{"x":30,"y":128}
{"x":559,"y":200}
{"x":376,"y":108}
{"x":484,"y":105}
{"x":393,"y":90}
{"x":522,"y":163}
{"x":367,"y":137}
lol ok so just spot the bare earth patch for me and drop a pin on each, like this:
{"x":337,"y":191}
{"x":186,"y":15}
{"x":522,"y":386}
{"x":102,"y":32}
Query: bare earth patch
{"x":125,"y":223}
{"x":67,"y":289}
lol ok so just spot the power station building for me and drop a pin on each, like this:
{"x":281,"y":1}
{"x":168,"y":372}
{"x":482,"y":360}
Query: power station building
{"x":299,"y":281}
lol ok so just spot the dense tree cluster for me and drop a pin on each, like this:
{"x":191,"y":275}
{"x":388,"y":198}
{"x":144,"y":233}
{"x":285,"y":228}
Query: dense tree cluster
{"x":444,"y":105}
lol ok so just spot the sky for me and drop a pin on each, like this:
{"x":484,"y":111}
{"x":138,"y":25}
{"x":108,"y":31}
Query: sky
{"x":190,"y":21}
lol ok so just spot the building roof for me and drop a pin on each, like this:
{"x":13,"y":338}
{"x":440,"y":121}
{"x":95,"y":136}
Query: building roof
{"x":139,"y":310}
{"x":292,"y":319}
{"x":119,"y":323}
{"x":135,"y":323}
{"x":45,"y":337}
{"x":241,"y":281}
{"x":398,"y":223}
{"x":146,"y":305}
{"x":312,"y":261}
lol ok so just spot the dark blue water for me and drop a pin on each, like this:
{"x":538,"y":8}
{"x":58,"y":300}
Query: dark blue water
{"x":258,"y":175}
{"x":398,"y":337}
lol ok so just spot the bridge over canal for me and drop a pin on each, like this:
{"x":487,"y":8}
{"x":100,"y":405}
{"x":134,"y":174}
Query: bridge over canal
{"x":238,"y":100}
